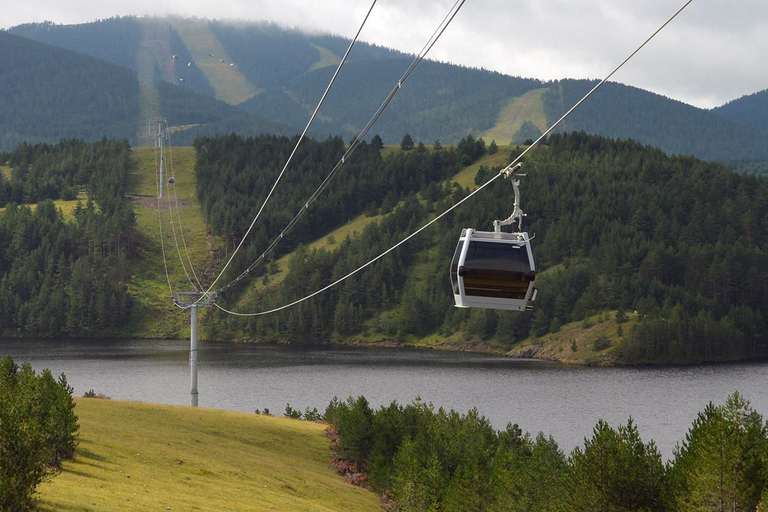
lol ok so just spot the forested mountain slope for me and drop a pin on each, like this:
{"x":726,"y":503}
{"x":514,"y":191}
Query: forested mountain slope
{"x":620,"y":226}
{"x":280,"y":74}
{"x":48,"y":93}
{"x":627,"y":112}
{"x":751,"y":110}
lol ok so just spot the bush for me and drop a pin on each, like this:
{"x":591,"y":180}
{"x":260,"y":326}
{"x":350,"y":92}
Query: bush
{"x":290,"y":412}
{"x":601,"y":343}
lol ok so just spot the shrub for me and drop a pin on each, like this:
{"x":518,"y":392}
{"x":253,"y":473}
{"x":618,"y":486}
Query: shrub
{"x":290,"y":412}
{"x":601,"y":343}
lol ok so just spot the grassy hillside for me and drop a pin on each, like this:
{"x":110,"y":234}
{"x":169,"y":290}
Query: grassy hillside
{"x":135,"y":456}
{"x":528,"y":107}
{"x":327,"y":58}
{"x":228,"y":82}
{"x":153,"y":314}
{"x":593,"y":340}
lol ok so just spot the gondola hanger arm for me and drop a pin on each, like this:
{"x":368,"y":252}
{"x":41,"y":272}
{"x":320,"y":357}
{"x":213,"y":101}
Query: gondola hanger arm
{"x":517,"y":212}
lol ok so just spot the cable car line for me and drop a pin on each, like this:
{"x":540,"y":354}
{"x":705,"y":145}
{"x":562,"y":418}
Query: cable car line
{"x":356,"y":142}
{"x":503,"y":173}
{"x":163,"y":133}
{"x":170,"y":206}
{"x":160,"y":220}
{"x":172,"y":181}
{"x":290,"y":157}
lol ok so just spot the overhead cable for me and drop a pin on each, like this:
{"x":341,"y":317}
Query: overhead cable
{"x":287,"y":163}
{"x":357,"y":140}
{"x":484,"y":185}
{"x":159,"y":213}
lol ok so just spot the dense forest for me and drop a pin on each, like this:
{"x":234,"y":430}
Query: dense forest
{"x":422,"y":459}
{"x":235,"y":174}
{"x":627,"y":112}
{"x":618,"y":226}
{"x":751,"y":110}
{"x":440,"y":101}
{"x":47,"y":93}
{"x":65,"y":276}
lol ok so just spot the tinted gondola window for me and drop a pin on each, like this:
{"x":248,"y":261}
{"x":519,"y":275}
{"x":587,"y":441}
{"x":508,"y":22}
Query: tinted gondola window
{"x":497,"y":256}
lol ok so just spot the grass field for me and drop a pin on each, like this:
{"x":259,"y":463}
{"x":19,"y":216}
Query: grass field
{"x":574,"y":343}
{"x":67,"y":207}
{"x":139,"y":457}
{"x":227,"y":81}
{"x":183,"y":225}
{"x":528,"y":107}
{"x":327,"y":59}
{"x":466,"y":177}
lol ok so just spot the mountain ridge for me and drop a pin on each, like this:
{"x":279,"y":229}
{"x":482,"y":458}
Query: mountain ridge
{"x":282,"y":72}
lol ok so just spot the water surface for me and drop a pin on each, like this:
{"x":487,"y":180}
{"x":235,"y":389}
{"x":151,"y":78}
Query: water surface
{"x":562,"y":401}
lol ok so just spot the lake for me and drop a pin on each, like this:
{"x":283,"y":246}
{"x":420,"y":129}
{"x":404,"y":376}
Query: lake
{"x":563,"y":401}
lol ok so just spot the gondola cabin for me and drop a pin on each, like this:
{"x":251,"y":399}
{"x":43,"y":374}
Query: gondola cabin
{"x":171,"y":180}
{"x":493,"y":270}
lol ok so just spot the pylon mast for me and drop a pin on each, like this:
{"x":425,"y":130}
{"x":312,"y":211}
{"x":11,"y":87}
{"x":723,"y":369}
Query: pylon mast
{"x":192,"y":301}
{"x":160,"y":135}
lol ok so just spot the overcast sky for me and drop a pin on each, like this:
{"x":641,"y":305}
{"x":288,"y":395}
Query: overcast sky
{"x":715,"y":51}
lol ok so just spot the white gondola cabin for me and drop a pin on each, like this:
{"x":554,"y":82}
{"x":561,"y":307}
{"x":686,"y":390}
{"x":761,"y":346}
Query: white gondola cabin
{"x":493,"y":270}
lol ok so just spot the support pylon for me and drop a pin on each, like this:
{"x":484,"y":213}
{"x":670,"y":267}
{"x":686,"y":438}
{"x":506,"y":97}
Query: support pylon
{"x":193,"y":301}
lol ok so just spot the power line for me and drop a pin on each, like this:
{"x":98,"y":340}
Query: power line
{"x":356,"y":142}
{"x":484,"y":185}
{"x":178,"y":216}
{"x":296,"y":147}
{"x":159,"y":210}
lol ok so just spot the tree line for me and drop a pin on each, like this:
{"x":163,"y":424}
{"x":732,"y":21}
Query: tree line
{"x":420,"y":458}
{"x":62,"y":276}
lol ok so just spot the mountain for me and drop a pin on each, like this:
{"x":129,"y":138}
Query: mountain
{"x":631,"y":113}
{"x":49,"y":93}
{"x":750,"y":110}
{"x":279,"y":74}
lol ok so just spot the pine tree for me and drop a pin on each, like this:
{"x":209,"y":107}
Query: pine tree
{"x":407,"y":143}
{"x":722,"y":462}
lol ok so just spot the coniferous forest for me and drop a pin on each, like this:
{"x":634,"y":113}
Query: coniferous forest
{"x":617,"y":226}
{"x":59,"y":276}
{"x":422,"y":459}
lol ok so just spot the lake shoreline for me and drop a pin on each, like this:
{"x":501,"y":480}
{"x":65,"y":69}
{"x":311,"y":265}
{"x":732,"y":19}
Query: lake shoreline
{"x":549,"y":349}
